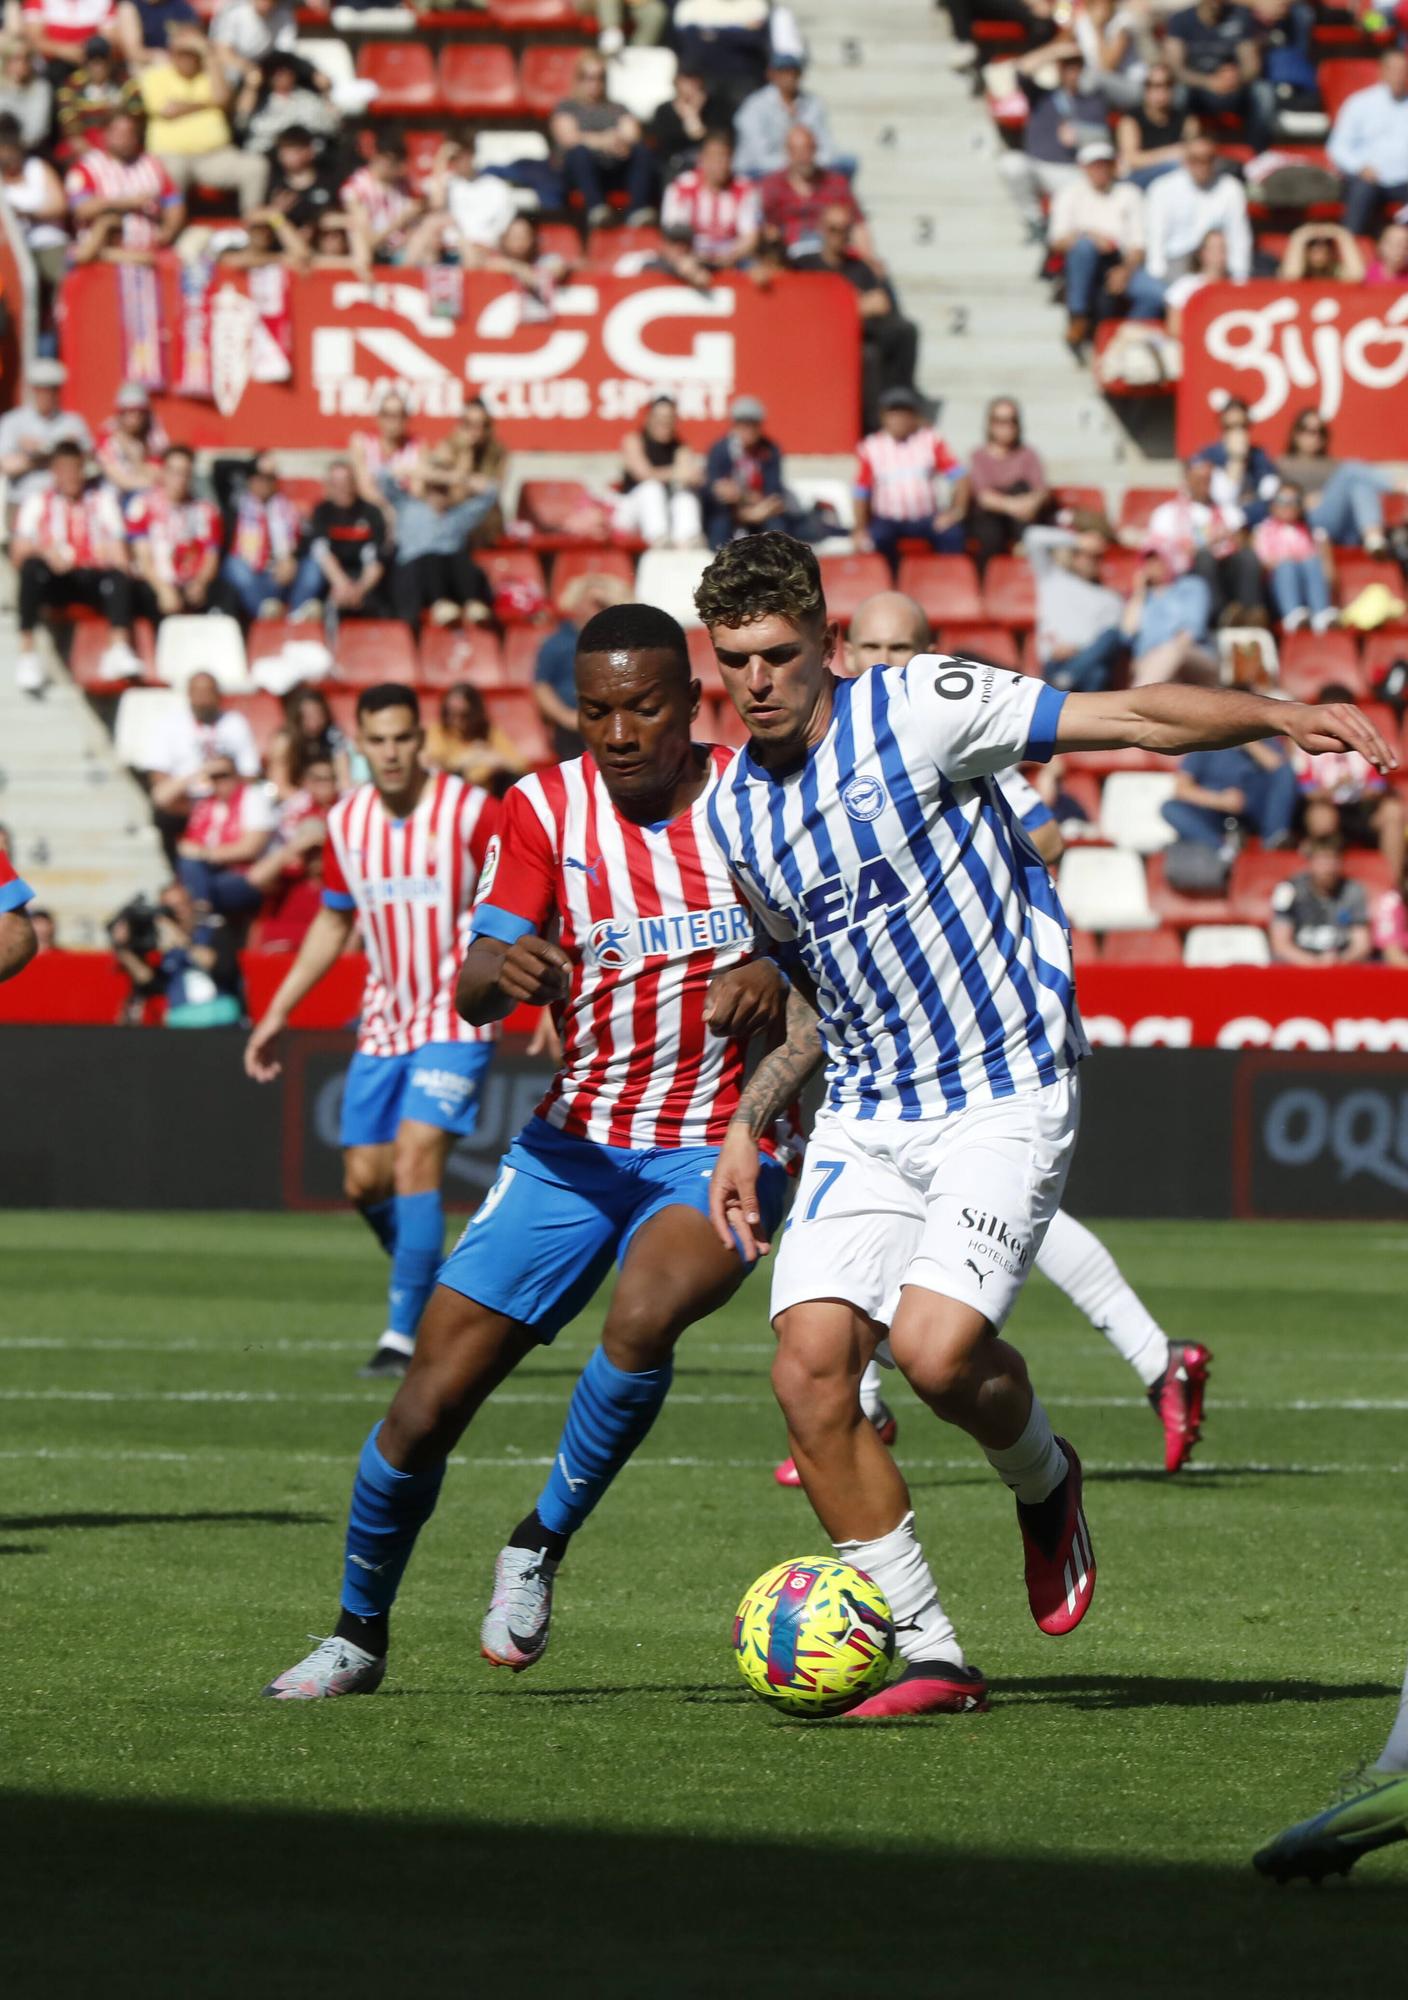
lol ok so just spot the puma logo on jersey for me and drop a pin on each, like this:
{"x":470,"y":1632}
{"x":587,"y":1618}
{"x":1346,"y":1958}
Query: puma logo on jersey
{"x":981,"y":1276}
{"x":591,"y":869}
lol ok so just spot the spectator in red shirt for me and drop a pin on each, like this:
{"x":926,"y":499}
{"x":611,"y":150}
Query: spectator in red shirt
{"x":720,"y":208}
{"x":289,"y":873}
{"x":896,"y":498}
{"x":58,"y":29}
{"x":69,"y":548}
{"x":123,"y":202}
{"x":225,"y":834}
{"x":795,"y":200}
{"x":175,"y":540}
{"x":131,"y":442}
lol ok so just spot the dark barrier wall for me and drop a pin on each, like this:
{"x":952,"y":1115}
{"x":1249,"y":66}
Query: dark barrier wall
{"x":114,"y":1118}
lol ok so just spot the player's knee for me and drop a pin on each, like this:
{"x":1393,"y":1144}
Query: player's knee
{"x":942,"y":1368}
{"x":362,"y":1185}
{"x":815,"y":1391}
{"x":638,"y":1337}
{"x":415,"y":1165}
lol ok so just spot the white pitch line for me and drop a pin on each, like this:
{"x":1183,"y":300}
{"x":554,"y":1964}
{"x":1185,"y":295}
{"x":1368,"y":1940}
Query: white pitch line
{"x":78,"y":1455}
{"x":554,"y":1400}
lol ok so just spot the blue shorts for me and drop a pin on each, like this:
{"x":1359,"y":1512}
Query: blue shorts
{"x":438,"y":1085}
{"x":562,"y":1208}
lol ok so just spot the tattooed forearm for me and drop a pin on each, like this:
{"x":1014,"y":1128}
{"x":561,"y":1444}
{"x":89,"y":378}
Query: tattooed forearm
{"x":782,"y":1073}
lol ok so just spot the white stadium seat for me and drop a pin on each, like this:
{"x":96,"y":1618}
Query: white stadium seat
{"x":667,"y":578}
{"x":140,"y":726}
{"x":327,"y":54}
{"x":203,"y":643}
{"x":1103,"y":889}
{"x":501,"y":149}
{"x":1226,"y":944}
{"x":1131,"y":809}
{"x":642,"y":80}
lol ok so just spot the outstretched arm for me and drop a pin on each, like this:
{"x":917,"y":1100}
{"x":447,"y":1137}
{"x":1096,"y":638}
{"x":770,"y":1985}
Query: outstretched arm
{"x":322,"y":946}
{"x":1171,"y":720}
{"x":733,"y":1190}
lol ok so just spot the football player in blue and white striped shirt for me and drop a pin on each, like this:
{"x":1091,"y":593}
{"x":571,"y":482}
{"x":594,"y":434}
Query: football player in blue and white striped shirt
{"x":863,"y":826}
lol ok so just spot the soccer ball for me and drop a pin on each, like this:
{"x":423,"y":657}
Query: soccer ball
{"x":814,"y":1636}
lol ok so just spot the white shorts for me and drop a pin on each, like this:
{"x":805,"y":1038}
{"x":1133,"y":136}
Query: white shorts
{"x":957,"y":1204}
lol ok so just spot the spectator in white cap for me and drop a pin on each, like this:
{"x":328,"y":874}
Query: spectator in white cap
{"x":743,"y":491}
{"x":131,"y":442}
{"x":765,"y":119}
{"x":1097,"y":225}
{"x":29,"y":432}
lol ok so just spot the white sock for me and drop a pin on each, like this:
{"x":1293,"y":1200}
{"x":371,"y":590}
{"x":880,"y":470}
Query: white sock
{"x":1085,"y":1271}
{"x":1395,"y":1754}
{"x":923,"y":1629}
{"x":870,"y":1396}
{"x":1035,"y":1465}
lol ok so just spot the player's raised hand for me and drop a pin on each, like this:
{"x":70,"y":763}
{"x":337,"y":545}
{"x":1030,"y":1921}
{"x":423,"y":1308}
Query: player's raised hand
{"x":1337,"y":725}
{"x":261,"y":1059}
{"x":733,"y":1194}
{"x":746,"y":1000}
{"x":534,"y":973}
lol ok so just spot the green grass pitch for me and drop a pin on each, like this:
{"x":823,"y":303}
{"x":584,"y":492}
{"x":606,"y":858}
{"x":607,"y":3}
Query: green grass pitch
{"x":181,"y":1415}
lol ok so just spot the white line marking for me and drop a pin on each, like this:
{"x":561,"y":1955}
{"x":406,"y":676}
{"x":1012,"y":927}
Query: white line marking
{"x":556,"y":1399}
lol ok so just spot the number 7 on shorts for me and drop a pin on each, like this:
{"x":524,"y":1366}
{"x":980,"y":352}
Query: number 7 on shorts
{"x":828,"y":1173}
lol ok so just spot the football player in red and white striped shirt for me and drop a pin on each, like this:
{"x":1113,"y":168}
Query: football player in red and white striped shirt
{"x":403,"y":855}
{"x":601,"y":896}
{"x":895,"y":494}
{"x":175,"y":538}
{"x":383,"y":205}
{"x":123,"y":195}
{"x":69,"y":547}
{"x":721,"y":208}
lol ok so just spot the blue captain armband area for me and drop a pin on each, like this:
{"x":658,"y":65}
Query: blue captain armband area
{"x":14,"y":895}
{"x":500,"y":924}
{"x":338,"y":899}
{"x":1046,"y":719}
{"x":1038,"y":815}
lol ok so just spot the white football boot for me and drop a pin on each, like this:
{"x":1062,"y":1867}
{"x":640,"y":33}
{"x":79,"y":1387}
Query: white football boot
{"x":515,"y":1629}
{"x":335,"y":1666}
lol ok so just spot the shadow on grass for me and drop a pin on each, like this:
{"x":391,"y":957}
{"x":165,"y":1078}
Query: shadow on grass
{"x":1167,"y":1691}
{"x":247,"y":1517}
{"x":126,"y":1899}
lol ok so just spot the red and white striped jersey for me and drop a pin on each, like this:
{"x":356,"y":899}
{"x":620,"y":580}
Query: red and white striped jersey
{"x":648,"y":915}
{"x":400,"y":464}
{"x":179,"y":534}
{"x":71,"y":21}
{"x":90,"y":528}
{"x":411,"y":882}
{"x":388,"y":208}
{"x":896,"y":475}
{"x":98,"y":173}
{"x":721,"y":218}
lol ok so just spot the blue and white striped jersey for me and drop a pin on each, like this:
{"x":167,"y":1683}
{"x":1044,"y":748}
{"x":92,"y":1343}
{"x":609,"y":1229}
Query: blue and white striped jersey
{"x":892,"y":863}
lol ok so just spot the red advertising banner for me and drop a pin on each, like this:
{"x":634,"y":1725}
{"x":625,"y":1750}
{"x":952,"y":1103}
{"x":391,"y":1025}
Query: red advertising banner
{"x":1338,"y":349}
{"x":574,"y":382}
{"x":1353,"y":1010}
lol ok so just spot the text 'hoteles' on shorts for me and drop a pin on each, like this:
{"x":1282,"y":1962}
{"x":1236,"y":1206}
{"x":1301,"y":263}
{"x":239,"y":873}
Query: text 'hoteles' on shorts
{"x":957,"y":1204}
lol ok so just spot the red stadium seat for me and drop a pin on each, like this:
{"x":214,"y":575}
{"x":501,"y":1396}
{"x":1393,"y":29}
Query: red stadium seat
{"x":369,"y":650}
{"x":1118,"y":568}
{"x":1354,"y":572}
{"x":343,"y":703}
{"x":263,"y":712}
{"x":91,"y":639}
{"x":557,"y":508}
{"x":1079,"y":499}
{"x":704,"y":661}
{"x":606,"y":561}
{"x":517,"y":715}
{"x":1381,"y":649}
{"x":1009,"y":591}
{"x":470,"y":654}
{"x":560,"y":239}
{"x":1102,"y":762}
{"x":423,"y":145}
{"x":404,"y":74}
{"x":1312,"y":660}
{"x":722,"y":722}
{"x":518,"y":566}
{"x":1367,"y":865}
{"x":1160,"y":947}
{"x":1085,"y":947}
{"x":304,"y":493}
{"x":1340,"y":79}
{"x":849,"y":580}
{"x":1255,"y":874}
{"x":1172,"y":907}
{"x":520,"y":654}
{"x":1139,"y":503}
{"x":479,"y":79}
{"x":946,"y":586}
{"x":546,"y":77}
{"x":604,"y":246}
{"x":994,"y":644}
{"x":267,"y":638}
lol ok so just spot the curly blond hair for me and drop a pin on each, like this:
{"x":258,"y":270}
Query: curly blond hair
{"x":760,"y":576}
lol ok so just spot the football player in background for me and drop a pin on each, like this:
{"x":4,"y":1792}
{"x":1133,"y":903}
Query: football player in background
{"x":603,"y":895}
{"x":402,"y":857}
{"x":18,"y":943}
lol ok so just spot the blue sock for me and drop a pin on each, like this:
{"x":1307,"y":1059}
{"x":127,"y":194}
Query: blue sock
{"x":389,"y":1509}
{"x":608,"y":1416}
{"x":419,"y":1253}
{"x":380,"y":1218}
